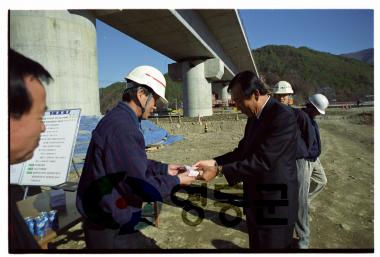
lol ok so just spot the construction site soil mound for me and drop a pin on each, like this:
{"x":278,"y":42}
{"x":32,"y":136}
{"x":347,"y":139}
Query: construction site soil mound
{"x":342,"y":216}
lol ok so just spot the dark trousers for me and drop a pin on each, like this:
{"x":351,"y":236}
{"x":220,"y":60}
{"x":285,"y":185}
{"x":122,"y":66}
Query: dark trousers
{"x":103,"y":238}
{"x":268,"y":237}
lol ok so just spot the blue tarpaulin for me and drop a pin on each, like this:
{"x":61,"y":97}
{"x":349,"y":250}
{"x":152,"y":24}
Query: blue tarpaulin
{"x":153,"y":135}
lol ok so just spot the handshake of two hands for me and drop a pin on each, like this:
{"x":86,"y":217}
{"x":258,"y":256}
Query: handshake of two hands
{"x":201,"y":170}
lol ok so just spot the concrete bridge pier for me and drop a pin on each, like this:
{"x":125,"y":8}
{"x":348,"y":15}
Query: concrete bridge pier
{"x":197,"y":76}
{"x":221,"y":90}
{"x":64,"y":42}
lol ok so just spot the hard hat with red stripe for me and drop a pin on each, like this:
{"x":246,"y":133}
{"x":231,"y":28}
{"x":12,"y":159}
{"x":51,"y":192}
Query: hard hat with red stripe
{"x":150,"y":77}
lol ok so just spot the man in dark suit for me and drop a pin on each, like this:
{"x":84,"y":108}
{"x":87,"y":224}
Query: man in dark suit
{"x":264,"y":161}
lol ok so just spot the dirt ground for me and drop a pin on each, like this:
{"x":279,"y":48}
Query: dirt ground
{"x":342,"y":216}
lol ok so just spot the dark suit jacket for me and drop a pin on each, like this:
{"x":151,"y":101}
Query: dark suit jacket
{"x":265,"y":162}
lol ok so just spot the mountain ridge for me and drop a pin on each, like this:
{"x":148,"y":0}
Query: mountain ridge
{"x":340,"y":78}
{"x":365,"y":55}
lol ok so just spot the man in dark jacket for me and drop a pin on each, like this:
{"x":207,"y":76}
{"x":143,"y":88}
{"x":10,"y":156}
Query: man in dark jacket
{"x":309,"y":167}
{"x":305,"y":139}
{"x":27,"y":104}
{"x":265,"y":162}
{"x":117,"y":177}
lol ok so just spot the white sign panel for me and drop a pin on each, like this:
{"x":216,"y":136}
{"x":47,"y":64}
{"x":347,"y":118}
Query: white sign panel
{"x":16,"y":172}
{"x":51,"y":160}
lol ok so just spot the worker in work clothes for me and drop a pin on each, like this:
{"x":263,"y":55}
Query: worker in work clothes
{"x":117,"y":177}
{"x":309,"y":168}
{"x":305,"y":138}
{"x":282,"y":92}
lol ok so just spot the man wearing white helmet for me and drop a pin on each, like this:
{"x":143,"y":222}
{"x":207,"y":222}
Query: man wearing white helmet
{"x":305,"y":155}
{"x":310,"y":164}
{"x":117,"y":177}
{"x":152,"y":80}
{"x":282,"y":91}
{"x":305,"y":138}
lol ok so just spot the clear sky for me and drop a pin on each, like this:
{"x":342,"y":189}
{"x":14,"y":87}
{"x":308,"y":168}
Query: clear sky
{"x":333,"y":31}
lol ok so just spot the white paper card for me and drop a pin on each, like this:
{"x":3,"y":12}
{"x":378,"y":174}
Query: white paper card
{"x":192,"y":171}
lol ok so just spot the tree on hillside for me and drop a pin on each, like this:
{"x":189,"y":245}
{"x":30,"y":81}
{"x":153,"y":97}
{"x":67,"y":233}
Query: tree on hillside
{"x":308,"y":70}
{"x":174,"y":92}
{"x":111,"y":95}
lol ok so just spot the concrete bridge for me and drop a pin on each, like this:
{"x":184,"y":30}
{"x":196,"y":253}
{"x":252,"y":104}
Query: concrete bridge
{"x":209,"y":47}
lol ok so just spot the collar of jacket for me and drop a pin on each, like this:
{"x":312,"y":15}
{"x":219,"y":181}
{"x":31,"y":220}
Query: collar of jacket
{"x":127,"y":109}
{"x":266,"y":107}
{"x":262,"y":107}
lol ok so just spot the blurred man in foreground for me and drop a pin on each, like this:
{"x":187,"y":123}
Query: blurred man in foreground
{"x":27,"y":105}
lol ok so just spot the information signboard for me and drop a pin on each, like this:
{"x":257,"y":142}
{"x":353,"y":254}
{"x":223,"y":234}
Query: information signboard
{"x":51,"y":160}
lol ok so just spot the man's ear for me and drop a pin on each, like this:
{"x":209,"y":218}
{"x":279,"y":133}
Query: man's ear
{"x":257,"y":94}
{"x":140,"y":93}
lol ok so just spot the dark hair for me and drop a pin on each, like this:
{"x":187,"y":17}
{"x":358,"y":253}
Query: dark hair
{"x":19,"y":98}
{"x":310,"y":106}
{"x":249,"y":83}
{"x":129,"y":93}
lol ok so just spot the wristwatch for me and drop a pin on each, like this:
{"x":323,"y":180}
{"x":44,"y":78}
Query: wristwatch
{"x":219,"y":171}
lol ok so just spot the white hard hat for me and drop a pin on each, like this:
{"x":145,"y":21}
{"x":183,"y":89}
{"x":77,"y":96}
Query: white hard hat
{"x":150,"y":77}
{"x":320,"y":102}
{"x":282,"y":87}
